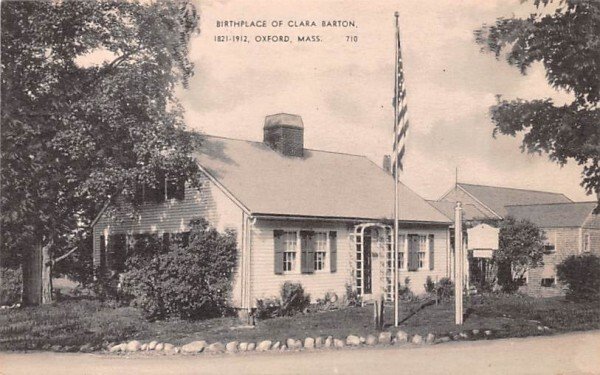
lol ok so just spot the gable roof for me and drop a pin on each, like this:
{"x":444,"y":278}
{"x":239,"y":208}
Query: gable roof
{"x":497,"y":198}
{"x":555,"y":215}
{"x":320,"y":184}
{"x":470,"y":211}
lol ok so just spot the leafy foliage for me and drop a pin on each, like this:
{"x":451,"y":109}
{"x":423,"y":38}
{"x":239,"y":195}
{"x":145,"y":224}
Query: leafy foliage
{"x":521,"y":248}
{"x":292,"y":300}
{"x":429,"y":285}
{"x":444,"y":288}
{"x":567,"y":43}
{"x":581,"y":275}
{"x":78,"y":130}
{"x":10,"y":285}
{"x":192,"y":282}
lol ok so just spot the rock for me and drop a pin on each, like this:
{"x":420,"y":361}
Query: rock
{"x":58,"y":348}
{"x":401,"y":337}
{"x":290,"y":343}
{"x":430,"y":339}
{"x":540,"y":328}
{"x":87,"y":348}
{"x":328,"y":342}
{"x":283,"y":348}
{"x":168,"y":347}
{"x":353,"y":340}
{"x":177,"y":350}
{"x":371,"y":340}
{"x":144,"y":347}
{"x":194,"y":347}
{"x":160,"y":346}
{"x":443,"y":339}
{"x":362,"y":340}
{"x":385,"y":338}
{"x":69,"y":348}
{"x":488,"y":332}
{"x":309,"y":343}
{"x":152,"y":345}
{"x":243,"y":346}
{"x":546,"y":328}
{"x":319,"y":342}
{"x":117,"y":348}
{"x":263,"y":346}
{"x":417,"y":340}
{"x":134,"y":346}
{"x":337,"y":343}
{"x":251,"y":347}
{"x":463,"y":336}
{"x":232,"y":347}
{"x":47,"y":347}
{"x":276,"y":346}
{"x":298,"y":344}
{"x":216,"y":347}
{"x":475,"y":332}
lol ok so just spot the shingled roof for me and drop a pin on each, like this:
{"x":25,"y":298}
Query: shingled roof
{"x":555,"y":215}
{"x":470,"y":212}
{"x":319,"y":184}
{"x":497,"y":198}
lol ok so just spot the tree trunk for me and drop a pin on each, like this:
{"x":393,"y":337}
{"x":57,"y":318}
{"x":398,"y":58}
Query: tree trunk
{"x":46,"y":274}
{"x":37,"y":275}
{"x":32,"y":276}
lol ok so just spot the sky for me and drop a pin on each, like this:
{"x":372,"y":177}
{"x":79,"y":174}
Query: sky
{"x":343,"y":89}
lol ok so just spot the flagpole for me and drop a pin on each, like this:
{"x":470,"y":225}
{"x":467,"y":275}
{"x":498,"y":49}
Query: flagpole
{"x":396,"y":208}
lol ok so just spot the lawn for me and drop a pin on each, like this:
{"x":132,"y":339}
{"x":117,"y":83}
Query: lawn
{"x":78,"y":322}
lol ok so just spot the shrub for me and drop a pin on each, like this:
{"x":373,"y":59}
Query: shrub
{"x":352,"y":298}
{"x":293,"y":299}
{"x":521,"y":248}
{"x":404,"y":292}
{"x":429,"y":285}
{"x":11,"y":281}
{"x":444,"y":288}
{"x":268,"y":308}
{"x":189,"y":282}
{"x":581,"y":275}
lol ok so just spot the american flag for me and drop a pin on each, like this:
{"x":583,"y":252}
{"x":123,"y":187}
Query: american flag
{"x":400,"y":109}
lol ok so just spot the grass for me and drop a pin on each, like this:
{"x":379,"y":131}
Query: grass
{"x":78,"y":322}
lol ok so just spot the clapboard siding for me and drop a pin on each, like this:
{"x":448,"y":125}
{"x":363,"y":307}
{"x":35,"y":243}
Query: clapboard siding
{"x":173,"y":216}
{"x":266,"y":284}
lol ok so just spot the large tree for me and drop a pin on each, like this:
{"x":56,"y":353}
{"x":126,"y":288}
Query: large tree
{"x":88,"y":113}
{"x":564,"y":36}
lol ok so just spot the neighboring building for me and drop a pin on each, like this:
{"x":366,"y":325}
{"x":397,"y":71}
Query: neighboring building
{"x":571,"y":228}
{"x":300,"y":215}
{"x":492,"y":200}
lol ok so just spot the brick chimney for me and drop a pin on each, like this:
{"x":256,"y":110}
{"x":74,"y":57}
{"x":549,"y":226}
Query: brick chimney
{"x":284,"y":133}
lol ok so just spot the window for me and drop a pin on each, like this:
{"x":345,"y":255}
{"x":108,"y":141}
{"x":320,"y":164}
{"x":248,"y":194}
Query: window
{"x":401,"y":243}
{"x":548,"y":282}
{"x":162,"y":190}
{"x":549,"y":248}
{"x":586,"y":243}
{"x":422,"y":251}
{"x":290,"y":242}
{"x":320,"y":250}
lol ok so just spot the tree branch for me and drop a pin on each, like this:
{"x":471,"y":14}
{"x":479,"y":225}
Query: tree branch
{"x":64,"y":255}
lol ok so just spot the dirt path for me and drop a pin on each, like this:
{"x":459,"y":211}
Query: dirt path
{"x":576,"y":353}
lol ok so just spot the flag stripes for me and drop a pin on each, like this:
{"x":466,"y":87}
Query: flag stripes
{"x":401,"y":124}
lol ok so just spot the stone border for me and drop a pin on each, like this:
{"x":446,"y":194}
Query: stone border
{"x":309,"y":343}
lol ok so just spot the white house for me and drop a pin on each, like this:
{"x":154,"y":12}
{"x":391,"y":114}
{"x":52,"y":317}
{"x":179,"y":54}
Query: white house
{"x":301,"y":215}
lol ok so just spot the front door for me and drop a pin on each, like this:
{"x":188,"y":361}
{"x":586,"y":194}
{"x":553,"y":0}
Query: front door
{"x":368,"y":276}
